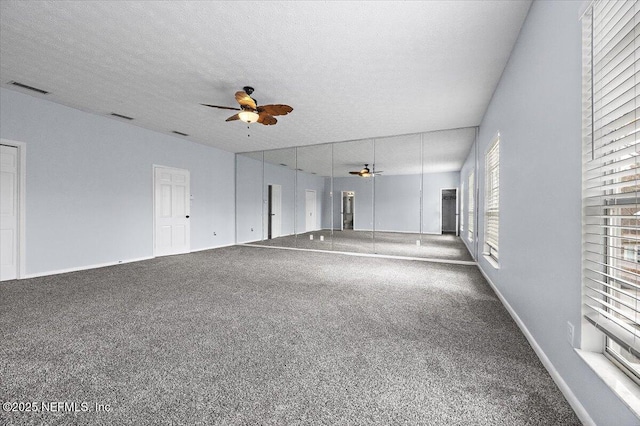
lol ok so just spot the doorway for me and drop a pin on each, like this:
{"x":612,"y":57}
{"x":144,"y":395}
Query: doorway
{"x":274,"y":226}
{"x":449,"y":211}
{"x":172,"y":208}
{"x":310,"y":210}
{"x":11,"y":211}
{"x":347,"y":210}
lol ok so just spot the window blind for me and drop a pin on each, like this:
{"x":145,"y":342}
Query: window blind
{"x":492,"y":198}
{"x":611,"y":176}
{"x":471,"y":204}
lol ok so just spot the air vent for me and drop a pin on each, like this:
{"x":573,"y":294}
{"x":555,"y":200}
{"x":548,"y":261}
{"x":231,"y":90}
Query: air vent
{"x":179,"y":133}
{"x":24,"y":86}
{"x":121,"y":116}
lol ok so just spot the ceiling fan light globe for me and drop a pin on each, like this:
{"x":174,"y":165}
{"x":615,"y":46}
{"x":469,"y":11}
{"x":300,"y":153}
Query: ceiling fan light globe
{"x":248,"y":116}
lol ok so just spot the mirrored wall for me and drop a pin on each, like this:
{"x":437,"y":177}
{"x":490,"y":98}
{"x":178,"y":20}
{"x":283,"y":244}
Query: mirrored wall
{"x":395,"y":196}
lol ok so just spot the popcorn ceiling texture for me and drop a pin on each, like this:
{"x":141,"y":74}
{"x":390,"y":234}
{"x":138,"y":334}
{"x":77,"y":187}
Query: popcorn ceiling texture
{"x":350,"y":70}
{"x":249,"y":335}
{"x":432,"y":152}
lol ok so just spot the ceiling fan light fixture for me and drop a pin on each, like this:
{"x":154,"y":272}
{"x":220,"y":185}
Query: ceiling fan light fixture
{"x":248,"y":116}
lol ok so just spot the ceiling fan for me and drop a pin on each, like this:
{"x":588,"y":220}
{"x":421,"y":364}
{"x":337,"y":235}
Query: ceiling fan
{"x":366,"y":172}
{"x":250,"y":112}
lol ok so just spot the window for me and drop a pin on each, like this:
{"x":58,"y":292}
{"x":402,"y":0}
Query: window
{"x":471,"y":205}
{"x":611,"y":179}
{"x":492,"y":199}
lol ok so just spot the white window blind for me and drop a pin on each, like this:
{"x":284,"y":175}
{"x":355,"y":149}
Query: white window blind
{"x":611,"y":177}
{"x":492,"y":199}
{"x":472,"y":191}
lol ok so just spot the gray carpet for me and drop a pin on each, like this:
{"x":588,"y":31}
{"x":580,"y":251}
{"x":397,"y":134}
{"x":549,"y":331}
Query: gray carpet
{"x":248,"y":335}
{"x":443,"y":247}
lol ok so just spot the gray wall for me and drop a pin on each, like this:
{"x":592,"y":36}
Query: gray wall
{"x":89,"y":185}
{"x":397,"y":201}
{"x":363,"y":204}
{"x":327,"y":204}
{"x":468,"y":166}
{"x":317,"y":183}
{"x":252,"y":198}
{"x":537,"y":110}
{"x":432,"y":185}
{"x":286,"y":178}
{"x":249,"y":199}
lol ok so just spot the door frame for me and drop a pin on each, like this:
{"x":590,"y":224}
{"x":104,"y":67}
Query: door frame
{"x":353,"y":209}
{"x":270,"y":210}
{"x":21,"y":271}
{"x":153,"y":200}
{"x":457,"y":209}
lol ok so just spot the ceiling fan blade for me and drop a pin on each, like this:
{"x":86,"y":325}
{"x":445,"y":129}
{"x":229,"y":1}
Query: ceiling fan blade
{"x":266,"y":119}
{"x":233,"y":117}
{"x":245,"y":100}
{"x":354,"y":173}
{"x":222,"y":107}
{"x":275,"y":109}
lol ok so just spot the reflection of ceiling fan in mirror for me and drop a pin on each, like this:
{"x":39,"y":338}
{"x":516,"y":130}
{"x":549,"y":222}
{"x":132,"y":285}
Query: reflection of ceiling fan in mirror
{"x":250,"y":112}
{"x":366,"y":172}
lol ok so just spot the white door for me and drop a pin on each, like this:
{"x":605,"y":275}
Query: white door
{"x":171,"y":211}
{"x":310,"y":210}
{"x":275,"y":210}
{"x":8,"y":212}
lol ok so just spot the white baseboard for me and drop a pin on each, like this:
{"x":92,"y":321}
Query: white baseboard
{"x":212,"y":247}
{"x":389,"y":231}
{"x":248,"y":241}
{"x":382,"y":256}
{"x":83,"y":268}
{"x":409,"y":232}
{"x":579,"y":409}
{"x":102,"y":265}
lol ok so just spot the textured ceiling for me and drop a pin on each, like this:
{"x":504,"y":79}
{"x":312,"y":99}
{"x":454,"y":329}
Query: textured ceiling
{"x":432,"y":152}
{"x":350,"y":70}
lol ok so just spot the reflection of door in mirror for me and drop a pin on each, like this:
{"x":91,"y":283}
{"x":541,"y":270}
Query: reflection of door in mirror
{"x":275,"y":211}
{"x":348,"y":198}
{"x":310,"y":210}
{"x":449,"y":211}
